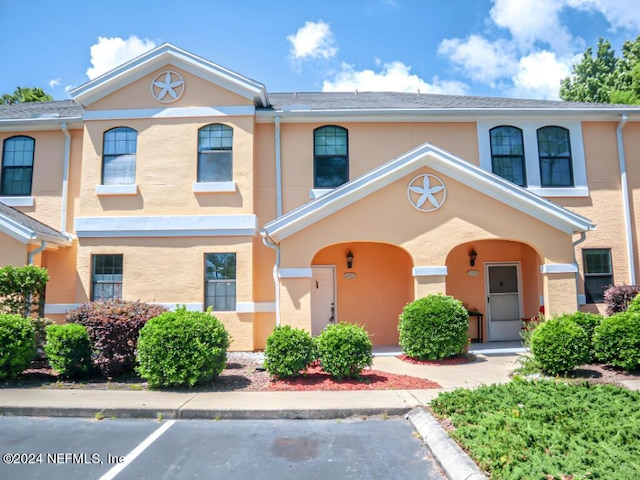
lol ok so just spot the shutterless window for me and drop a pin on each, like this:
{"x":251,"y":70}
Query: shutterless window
{"x":507,"y":154}
{"x":220,"y":281}
{"x":215,"y":152}
{"x":554,"y":151}
{"x":119,"y":156}
{"x":598,"y":273}
{"x":17,"y":166}
{"x":106,"y":277}
{"x":330,"y":157}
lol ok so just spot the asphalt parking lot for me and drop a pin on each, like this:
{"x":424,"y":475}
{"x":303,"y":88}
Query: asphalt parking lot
{"x":75,"y":448}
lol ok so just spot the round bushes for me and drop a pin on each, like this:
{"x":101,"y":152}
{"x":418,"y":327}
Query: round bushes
{"x":616,"y":340}
{"x":17,"y":345}
{"x":288,"y":352}
{"x":182,"y":348}
{"x":68,"y":349}
{"x":559,"y":345}
{"x":344,"y":350}
{"x":433,"y":327}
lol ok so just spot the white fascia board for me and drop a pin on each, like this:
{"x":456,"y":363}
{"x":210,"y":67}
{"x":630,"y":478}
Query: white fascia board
{"x":442,"y":161}
{"x":169,"y":112}
{"x":166,"y":226}
{"x":558,"y":268}
{"x":38,"y":124}
{"x":167,"y":54}
{"x":430,"y":271}
{"x":16,"y":231}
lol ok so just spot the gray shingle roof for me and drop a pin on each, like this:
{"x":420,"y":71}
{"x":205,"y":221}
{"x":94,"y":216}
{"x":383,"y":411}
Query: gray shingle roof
{"x":400,"y":100}
{"x":39,"y":228}
{"x":41,"y":110}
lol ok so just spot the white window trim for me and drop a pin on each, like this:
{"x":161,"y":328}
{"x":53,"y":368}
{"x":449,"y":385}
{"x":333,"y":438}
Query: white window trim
{"x":131,"y":189}
{"x":18,"y":201}
{"x":532,"y":162}
{"x":214,"y":187}
{"x":319,"y":192}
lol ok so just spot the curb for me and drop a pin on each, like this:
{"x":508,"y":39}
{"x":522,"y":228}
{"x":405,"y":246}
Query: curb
{"x":456,"y":464}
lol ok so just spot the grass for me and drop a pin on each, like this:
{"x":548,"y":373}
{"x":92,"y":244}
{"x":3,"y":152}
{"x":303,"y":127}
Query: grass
{"x":547,"y":429}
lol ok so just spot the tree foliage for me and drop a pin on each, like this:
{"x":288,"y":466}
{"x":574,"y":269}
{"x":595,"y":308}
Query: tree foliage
{"x":22,"y":289}
{"x":603,"y":77}
{"x":25,"y":95}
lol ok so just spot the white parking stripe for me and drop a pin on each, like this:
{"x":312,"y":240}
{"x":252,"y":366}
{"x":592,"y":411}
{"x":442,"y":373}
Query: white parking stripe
{"x":137,"y":451}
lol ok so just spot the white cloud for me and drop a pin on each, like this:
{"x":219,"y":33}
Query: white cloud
{"x":539,"y":75}
{"x":54,"y":82}
{"x":394,"y":77}
{"x":531,"y":21}
{"x":620,"y":13}
{"x":480,"y":59}
{"x":314,"y":40}
{"x":109,"y":53}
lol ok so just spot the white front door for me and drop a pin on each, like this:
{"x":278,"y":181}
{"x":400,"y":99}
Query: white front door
{"x":503,"y":302}
{"x":323,"y":298}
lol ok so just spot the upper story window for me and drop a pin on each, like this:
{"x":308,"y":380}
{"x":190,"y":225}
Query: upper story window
{"x":215,"y":153}
{"x":119,"y":156}
{"x":17,"y":166}
{"x":507,"y":154}
{"x":330,"y":157}
{"x":554,"y":151}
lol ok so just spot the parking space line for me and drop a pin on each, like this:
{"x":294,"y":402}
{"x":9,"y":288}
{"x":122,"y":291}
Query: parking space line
{"x":137,"y":451}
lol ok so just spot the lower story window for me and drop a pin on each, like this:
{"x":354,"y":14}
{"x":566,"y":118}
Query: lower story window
{"x":598,"y":273}
{"x":220,"y":281}
{"x":106,"y":281}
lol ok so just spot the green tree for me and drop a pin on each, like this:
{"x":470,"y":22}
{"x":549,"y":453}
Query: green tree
{"x":604,"y":77}
{"x":25,"y":95}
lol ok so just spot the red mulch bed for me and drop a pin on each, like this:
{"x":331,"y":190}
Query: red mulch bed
{"x":455,"y":360}
{"x":317,"y":380}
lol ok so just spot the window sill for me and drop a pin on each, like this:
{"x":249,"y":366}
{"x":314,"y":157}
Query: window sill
{"x":560,"y":191}
{"x":318,"y":192}
{"x":214,"y":187}
{"x":117,"y":189}
{"x":18,"y":201}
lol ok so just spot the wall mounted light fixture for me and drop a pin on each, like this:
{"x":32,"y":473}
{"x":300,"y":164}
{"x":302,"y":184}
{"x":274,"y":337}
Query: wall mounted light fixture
{"x":349,"y":259}
{"x":472,"y":257}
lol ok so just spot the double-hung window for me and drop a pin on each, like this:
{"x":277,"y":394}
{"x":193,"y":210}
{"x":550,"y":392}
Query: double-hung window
{"x":119,"y":156}
{"x":220,"y":281}
{"x":215,"y":153}
{"x":507,"y":154}
{"x":106,"y":281}
{"x":17,"y":166}
{"x":598,"y":273}
{"x":330,"y":157}
{"x":554,"y":153}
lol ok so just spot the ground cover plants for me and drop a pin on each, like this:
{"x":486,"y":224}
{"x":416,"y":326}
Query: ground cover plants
{"x":546,"y":429}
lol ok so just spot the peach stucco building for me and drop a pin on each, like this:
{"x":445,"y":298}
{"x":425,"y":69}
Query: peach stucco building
{"x":173,"y":180}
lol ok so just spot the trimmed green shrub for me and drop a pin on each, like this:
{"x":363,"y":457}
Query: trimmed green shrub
{"x":344,"y":350}
{"x":113,"y":328}
{"x":619,"y":297}
{"x":617,"y":340}
{"x":559,"y":345}
{"x":21,"y":289}
{"x":182,"y":348}
{"x":288,"y":352}
{"x":433,"y":327}
{"x":40,"y":325}
{"x":634,"y":305}
{"x":68,"y":350}
{"x":588,"y":321}
{"x":17,"y":345}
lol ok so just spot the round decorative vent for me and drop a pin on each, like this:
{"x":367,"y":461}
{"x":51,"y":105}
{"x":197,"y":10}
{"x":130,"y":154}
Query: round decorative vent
{"x":167,"y":86}
{"x":426,"y":192}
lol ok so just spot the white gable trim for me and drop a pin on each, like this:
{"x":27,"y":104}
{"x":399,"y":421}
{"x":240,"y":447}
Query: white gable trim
{"x":178,"y":112}
{"x":146,"y":63}
{"x":25,"y":235}
{"x":166,"y":226}
{"x":427,"y":155}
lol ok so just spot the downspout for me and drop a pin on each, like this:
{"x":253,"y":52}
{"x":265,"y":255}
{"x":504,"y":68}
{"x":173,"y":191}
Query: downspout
{"x":625,"y":201}
{"x":271,"y":244}
{"x":278,"y":170}
{"x":583,"y":237}
{"x":65,"y":180}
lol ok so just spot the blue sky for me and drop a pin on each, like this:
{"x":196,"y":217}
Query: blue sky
{"x":518,"y":48}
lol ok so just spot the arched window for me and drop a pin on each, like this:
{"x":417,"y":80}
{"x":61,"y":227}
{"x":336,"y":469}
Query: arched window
{"x":119,"y":156}
{"x":554,"y":152}
{"x":17,"y":166}
{"x":507,"y":154}
{"x":215,"y":153}
{"x":330,"y":157}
